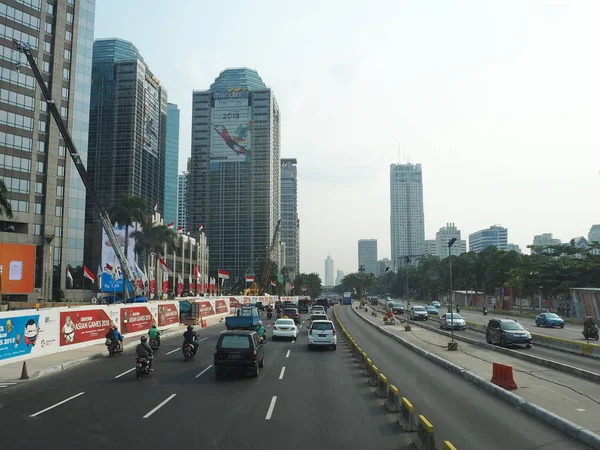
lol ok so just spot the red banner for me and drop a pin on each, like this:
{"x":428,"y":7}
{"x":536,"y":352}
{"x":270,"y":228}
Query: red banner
{"x":83,"y":326}
{"x":167,"y":315}
{"x":221,"y":306}
{"x":166,"y":287}
{"x":233,"y":302}
{"x":135,"y":318}
{"x":205,"y":309}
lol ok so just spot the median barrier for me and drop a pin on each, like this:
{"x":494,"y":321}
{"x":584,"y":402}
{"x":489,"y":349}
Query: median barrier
{"x":359,"y":353}
{"x":425,"y":434}
{"x":448,"y":446}
{"x":382,"y":386}
{"x":367,"y":371}
{"x":363,"y":362}
{"x":392,"y":402}
{"x":407,"y":419}
{"x":374,"y":375}
{"x":502,"y":375}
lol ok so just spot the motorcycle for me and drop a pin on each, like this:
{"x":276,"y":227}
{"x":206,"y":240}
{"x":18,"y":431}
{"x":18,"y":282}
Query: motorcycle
{"x":154,"y":344}
{"x":591,"y":332}
{"x":188,"y":351}
{"x":112,"y":348}
{"x":142,"y":367}
{"x":269,"y":314}
{"x":484,"y":311}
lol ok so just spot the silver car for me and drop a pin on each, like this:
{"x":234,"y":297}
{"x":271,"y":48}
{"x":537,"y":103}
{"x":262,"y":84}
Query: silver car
{"x":448,"y":320}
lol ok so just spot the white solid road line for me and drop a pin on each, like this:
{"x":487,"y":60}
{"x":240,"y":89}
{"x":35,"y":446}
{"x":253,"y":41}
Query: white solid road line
{"x":282,"y":372}
{"x":203,"y":339}
{"x":163,"y":403}
{"x":124,"y":373}
{"x":172,"y":351}
{"x":57,"y":404}
{"x":203,"y":372}
{"x":271,"y":408}
{"x":294,"y":340}
{"x":269,"y":325}
{"x":287,"y":355}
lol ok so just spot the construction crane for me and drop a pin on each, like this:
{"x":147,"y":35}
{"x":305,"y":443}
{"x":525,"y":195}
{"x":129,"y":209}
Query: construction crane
{"x":76,"y":157}
{"x":265,"y":279}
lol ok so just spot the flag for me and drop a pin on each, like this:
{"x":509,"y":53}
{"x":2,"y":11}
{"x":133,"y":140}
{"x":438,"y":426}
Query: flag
{"x":166,"y":286}
{"x":196,"y":272}
{"x":249,"y":278}
{"x":201,"y":228}
{"x":224,"y":274}
{"x":292,"y":285}
{"x":273,"y":283}
{"x":190,"y":283}
{"x":171,"y":225}
{"x":164,"y":266}
{"x":152,"y":283}
{"x":69,"y":276}
{"x":108,"y":268}
{"x":99,"y":276}
{"x":140,"y":273}
{"x":179,"y":231}
{"x":179,"y":284}
{"x":155,"y":206}
{"x":87,"y":273}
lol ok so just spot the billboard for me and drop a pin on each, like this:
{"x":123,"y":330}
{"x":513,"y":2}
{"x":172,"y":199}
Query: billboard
{"x":135,"y":318}
{"x":167,"y":315}
{"x":230,"y":126}
{"x":77,"y":326}
{"x":27,"y":334}
{"x":17,"y":263}
{"x":110,"y":283}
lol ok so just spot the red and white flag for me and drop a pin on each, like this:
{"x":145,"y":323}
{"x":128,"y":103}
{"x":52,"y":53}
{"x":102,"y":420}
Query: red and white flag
{"x":200,"y":227}
{"x":224,"y":274}
{"x":292,"y":285}
{"x":155,"y":206}
{"x":196,"y":272}
{"x":179,"y":284}
{"x":190,"y":283}
{"x":249,"y":278}
{"x":69,"y":276}
{"x":171,"y":225}
{"x":165,"y":287}
{"x":273,"y":283}
{"x":164,"y":266}
{"x":179,"y":230}
{"x":152,"y":282}
{"x":87,"y":273}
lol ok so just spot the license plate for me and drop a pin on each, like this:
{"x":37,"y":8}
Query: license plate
{"x":235,"y":357}
{"x":284,"y":329}
{"x":322,"y":335}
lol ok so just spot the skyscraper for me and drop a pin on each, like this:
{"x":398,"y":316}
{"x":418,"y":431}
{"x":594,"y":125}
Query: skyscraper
{"x":182,"y":181}
{"x":290,"y":223}
{"x":44,"y":188}
{"x":339,"y":277}
{"x":127,"y":133}
{"x":171,"y":163}
{"x":234,"y":188}
{"x":443,"y":236}
{"x":367,"y":255}
{"x":328,"y":271}
{"x":495,"y":235}
{"x":407,"y":223}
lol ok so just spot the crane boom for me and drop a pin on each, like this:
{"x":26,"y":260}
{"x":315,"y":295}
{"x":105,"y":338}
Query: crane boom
{"x":76,"y":157}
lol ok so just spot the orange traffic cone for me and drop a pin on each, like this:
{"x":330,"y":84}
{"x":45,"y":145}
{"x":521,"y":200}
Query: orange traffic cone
{"x":24,"y":374}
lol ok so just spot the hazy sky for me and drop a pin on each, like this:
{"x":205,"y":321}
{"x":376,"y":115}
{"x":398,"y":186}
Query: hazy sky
{"x":498,"y":100}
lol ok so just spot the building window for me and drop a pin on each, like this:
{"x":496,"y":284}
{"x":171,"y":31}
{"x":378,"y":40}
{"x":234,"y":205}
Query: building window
{"x":62,"y":151}
{"x":43,"y":106}
{"x":57,"y":231}
{"x":65,"y":92}
{"x":17,"y":78}
{"x":70,"y":17}
{"x":48,"y":27}
{"x":60,"y":191}
{"x":10,"y":34}
{"x":66,"y":74}
{"x":20,"y":100}
{"x":46,"y":66}
{"x":15,"y":163}
{"x":71,"y":2}
{"x":41,"y":147}
{"x":47,"y":47}
{"x":50,"y":8}
{"x":68,"y":36}
{"x":19,"y":206}
{"x":42,"y":126}
{"x":19,"y":16}
{"x":16,"y":185}
{"x":39,"y":188}
{"x":40,"y":166}
{"x":67,"y":54}
{"x":37,"y":229}
{"x":60,"y":170}
{"x":17,"y":142}
{"x":16,"y":120}
{"x":59,"y":211}
{"x":64,"y":112}
{"x":37,"y":208}
{"x":33,"y":4}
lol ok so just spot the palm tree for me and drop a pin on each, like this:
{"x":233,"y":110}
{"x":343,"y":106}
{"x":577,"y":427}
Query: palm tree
{"x":154,"y":239}
{"x":129,"y":211}
{"x":5,"y":207}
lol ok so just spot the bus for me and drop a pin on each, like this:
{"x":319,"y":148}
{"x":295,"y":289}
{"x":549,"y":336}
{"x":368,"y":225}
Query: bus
{"x":347,"y":298}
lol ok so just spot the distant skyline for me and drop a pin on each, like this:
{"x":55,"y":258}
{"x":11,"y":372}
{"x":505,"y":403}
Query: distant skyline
{"x":496,"y":100}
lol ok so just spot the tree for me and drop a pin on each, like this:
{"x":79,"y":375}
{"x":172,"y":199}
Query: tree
{"x":5,"y":206}
{"x":359,"y":282}
{"x":312,"y":281}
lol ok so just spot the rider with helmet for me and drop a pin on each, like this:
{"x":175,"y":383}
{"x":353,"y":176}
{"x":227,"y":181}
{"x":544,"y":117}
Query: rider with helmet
{"x":143,"y":350}
{"x":261,"y":330}
{"x":190,"y":337}
{"x":154,"y":334}
{"x":115,"y":337}
{"x":588,"y":325}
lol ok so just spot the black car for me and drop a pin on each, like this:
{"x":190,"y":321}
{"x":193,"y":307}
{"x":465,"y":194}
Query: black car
{"x":323,"y":302}
{"x":239,"y":351}
{"x":507,"y":332}
{"x":292,"y":313}
{"x":396,"y":307}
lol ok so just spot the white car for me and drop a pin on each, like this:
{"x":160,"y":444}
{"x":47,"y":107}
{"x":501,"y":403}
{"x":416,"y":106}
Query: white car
{"x":453,"y":319}
{"x":318,"y":315}
{"x":317,"y":309}
{"x":285,"y":328}
{"x":322,"y":333}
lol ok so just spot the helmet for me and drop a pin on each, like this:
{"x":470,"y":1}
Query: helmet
{"x":153,"y":325}
{"x":260,"y":323}
{"x":143,"y":339}
{"x":190,"y":328}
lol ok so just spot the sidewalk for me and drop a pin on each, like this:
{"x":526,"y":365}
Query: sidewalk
{"x":567,"y":396}
{"x":45,"y":365}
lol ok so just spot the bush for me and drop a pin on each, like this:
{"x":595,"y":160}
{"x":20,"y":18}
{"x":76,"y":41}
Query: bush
{"x":58,"y":295}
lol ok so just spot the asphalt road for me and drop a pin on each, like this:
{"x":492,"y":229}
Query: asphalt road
{"x":315,"y":402}
{"x":468,"y":416}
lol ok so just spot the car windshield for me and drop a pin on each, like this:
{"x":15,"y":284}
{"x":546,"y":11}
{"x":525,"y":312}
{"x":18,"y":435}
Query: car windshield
{"x":322,"y":326}
{"x":284,"y":322}
{"x":397,"y":305}
{"x":453,"y":316}
{"x":512,"y":326}
{"x":235,"y":342}
{"x":431,"y":307}
{"x":419,"y":308}
{"x":552,"y":316}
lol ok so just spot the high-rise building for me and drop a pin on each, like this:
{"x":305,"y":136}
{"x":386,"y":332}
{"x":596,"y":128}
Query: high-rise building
{"x":494,"y":235}
{"x":339,"y":277}
{"x":171,"y":164}
{"x":513,"y":248}
{"x":367,"y":255}
{"x":45,"y":191}
{"x":182,"y":181}
{"x":290,"y":223}
{"x":431,"y":247}
{"x":234,"y":188}
{"x":545,"y":239}
{"x":127,"y":134}
{"x":443,"y":236}
{"x":383,"y":266}
{"x":328,"y":280}
{"x":407,"y":223}
{"x":594,"y":234}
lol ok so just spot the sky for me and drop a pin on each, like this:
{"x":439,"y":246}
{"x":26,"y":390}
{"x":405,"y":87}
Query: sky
{"x":498,"y":100}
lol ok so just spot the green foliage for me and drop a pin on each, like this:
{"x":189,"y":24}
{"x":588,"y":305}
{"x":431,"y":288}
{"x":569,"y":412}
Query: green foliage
{"x":359,"y":282}
{"x":312,"y":280}
{"x":5,"y":207}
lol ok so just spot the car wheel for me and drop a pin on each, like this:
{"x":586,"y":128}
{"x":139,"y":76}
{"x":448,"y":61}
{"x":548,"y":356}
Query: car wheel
{"x":537,"y":324}
{"x":488,"y":339}
{"x":256,"y":371}
{"x":333,"y":347}
{"x":502,"y":341}
{"x":528,"y":346}
{"x":563,"y":325}
{"x":262,"y":363}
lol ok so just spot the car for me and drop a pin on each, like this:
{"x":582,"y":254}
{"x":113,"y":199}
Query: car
{"x":397,"y":307}
{"x":418,"y":313}
{"x":324,"y":303}
{"x":239,"y":351}
{"x":432,"y":310}
{"x":317,"y":309}
{"x":292,"y":313}
{"x":448,"y":320}
{"x":548,"y":319}
{"x":507,"y":332}
{"x":436,"y":304}
{"x":318,"y":316}
{"x":285,"y":328}
{"x":322,"y":333}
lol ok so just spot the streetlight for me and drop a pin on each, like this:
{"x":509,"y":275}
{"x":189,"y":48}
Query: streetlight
{"x":450,"y":244}
{"x":407,"y":260}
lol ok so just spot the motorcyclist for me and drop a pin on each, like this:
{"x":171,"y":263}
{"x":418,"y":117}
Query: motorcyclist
{"x":261,"y":330}
{"x":458,"y":308}
{"x":588,"y":324}
{"x":190,"y":337}
{"x":115,"y":337}
{"x":143,"y":350}
{"x":154,"y":334}
{"x":484,"y":309}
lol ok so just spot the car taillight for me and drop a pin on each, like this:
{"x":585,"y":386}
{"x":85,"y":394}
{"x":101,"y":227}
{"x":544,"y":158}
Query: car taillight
{"x":310,"y":331}
{"x":254,"y":354}
{"x":334,"y":331}
{"x":275,"y":328}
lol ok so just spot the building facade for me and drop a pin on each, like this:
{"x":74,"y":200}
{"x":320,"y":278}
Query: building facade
{"x":431,"y":247}
{"x":495,"y":235}
{"x":407,"y":222}
{"x":45,"y":191}
{"x":339,"y":276}
{"x":290,"y":223}
{"x":182,"y":182}
{"x":367,"y":255}
{"x":513,"y":248}
{"x":234,"y":187}
{"x":127,"y":134}
{"x":171,"y":163}
{"x":443,"y":236}
{"x":383,"y":266}
{"x":328,"y":279}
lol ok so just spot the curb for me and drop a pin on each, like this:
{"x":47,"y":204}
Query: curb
{"x":560,"y":423}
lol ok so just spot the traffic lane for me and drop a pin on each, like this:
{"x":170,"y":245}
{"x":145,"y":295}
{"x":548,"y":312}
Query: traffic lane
{"x":462,"y":413}
{"x":113,"y":416}
{"x":323,"y":403}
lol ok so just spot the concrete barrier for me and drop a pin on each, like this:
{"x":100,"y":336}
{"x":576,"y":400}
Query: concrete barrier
{"x":359,"y":355}
{"x":448,"y":446}
{"x":363,"y":362}
{"x":393,"y":399}
{"x":382,"y":386}
{"x":373,"y":380}
{"x":367,"y":371}
{"x":407,"y":418}
{"x":425,"y":434}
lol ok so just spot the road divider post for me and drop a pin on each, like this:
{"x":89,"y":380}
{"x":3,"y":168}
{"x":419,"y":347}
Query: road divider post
{"x":407,"y":418}
{"x":425,"y":434}
{"x":359,"y":355}
{"x":367,"y":371}
{"x":382,"y":386}
{"x":363,"y":362}
{"x":393,"y":399}
{"x":502,"y":375}
{"x":373,"y":380}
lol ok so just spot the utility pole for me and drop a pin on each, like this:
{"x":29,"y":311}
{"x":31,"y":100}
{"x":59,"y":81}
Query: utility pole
{"x":450,"y":244}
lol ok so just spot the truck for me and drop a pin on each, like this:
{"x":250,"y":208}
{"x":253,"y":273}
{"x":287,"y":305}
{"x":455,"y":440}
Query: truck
{"x":347,"y":298}
{"x":245,"y":318}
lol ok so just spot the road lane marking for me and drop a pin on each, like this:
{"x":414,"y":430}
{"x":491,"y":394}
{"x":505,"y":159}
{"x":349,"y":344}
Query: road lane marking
{"x":56,"y":404}
{"x":203,"y":372}
{"x":287,"y":355}
{"x":125,"y":373}
{"x":269,"y":325}
{"x":271,"y":408}
{"x":160,"y":405}
{"x":203,"y":339}
{"x":300,"y":327}
{"x":282,"y":372}
{"x":172,"y":351}
{"x":293,"y":340}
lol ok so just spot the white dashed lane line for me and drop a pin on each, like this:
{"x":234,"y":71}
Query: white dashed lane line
{"x":282,"y":373}
{"x":56,"y":404}
{"x":271,"y":408}
{"x":160,"y":405}
{"x":287,"y":355}
{"x":203,"y":372}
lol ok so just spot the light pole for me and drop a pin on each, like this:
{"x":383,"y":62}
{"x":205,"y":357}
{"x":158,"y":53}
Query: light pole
{"x":407,"y":260}
{"x":450,"y":244}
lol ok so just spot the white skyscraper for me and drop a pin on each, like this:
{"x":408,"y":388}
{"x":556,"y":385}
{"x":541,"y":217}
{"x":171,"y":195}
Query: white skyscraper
{"x":407,"y":223}
{"x":367,"y":255}
{"x":443,"y":236}
{"x":328,"y":271}
{"x":594,"y":234}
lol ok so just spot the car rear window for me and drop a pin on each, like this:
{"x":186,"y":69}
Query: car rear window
{"x":236,"y":342}
{"x":322,"y":326}
{"x":291,"y":311}
{"x":284,"y":322}
{"x":319,"y":317}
